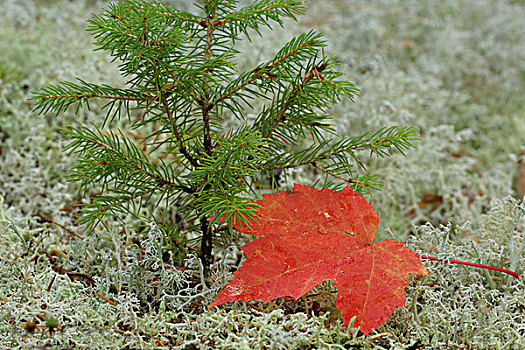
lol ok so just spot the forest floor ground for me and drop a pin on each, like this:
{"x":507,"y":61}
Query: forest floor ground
{"x":454,"y":69}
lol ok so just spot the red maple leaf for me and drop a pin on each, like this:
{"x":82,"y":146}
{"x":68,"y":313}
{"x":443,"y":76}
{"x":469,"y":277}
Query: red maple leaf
{"x":309,"y":236}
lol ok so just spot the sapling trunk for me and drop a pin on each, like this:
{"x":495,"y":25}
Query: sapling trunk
{"x":206,"y":246}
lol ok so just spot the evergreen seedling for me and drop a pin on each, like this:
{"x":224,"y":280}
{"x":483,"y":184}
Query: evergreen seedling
{"x":209,"y":138}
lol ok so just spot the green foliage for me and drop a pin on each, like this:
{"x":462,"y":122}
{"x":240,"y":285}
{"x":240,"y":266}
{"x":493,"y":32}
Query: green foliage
{"x":183,"y":86}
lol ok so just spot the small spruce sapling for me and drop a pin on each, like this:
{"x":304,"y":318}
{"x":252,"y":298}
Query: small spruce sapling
{"x":183,"y":86}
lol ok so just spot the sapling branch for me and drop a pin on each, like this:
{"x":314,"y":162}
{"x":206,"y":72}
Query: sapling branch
{"x":175,"y":129}
{"x":288,"y":101}
{"x":348,"y":180}
{"x":263,"y":70}
{"x":83,"y":95}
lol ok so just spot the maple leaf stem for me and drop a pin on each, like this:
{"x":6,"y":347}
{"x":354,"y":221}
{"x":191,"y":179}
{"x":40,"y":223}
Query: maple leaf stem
{"x":512,"y":273}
